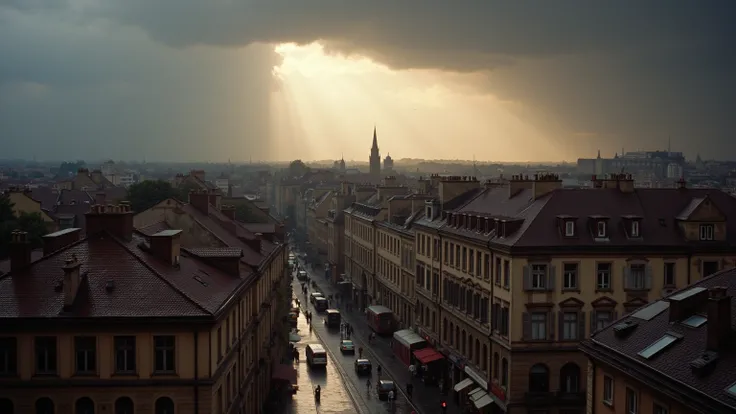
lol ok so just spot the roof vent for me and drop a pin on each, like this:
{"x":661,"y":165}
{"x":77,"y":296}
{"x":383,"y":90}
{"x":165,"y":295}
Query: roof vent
{"x":704,"y":364}
{"x":625,"y":329}
{"x":110,"y":286}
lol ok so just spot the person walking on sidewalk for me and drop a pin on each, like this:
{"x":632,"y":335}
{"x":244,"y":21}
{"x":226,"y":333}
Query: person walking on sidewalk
{"x":409,"y":389}
{"x":360,"y":352}
{"x":368,"y":384}
{"x":378,"y":370}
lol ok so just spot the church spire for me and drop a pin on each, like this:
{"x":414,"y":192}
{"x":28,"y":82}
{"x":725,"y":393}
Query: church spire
{"x":375,"y":139}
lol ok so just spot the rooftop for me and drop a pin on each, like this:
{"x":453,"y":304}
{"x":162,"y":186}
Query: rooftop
{"x":681,"y":345}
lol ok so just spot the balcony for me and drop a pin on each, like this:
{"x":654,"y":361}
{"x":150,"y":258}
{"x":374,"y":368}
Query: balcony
{"x":533,"y":398}
{"x":571,"y":398}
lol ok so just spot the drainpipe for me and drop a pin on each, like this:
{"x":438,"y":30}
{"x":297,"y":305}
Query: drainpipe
{"x":592,"y":392}
{"x":196,"y":372}
{"x":689,"y":266}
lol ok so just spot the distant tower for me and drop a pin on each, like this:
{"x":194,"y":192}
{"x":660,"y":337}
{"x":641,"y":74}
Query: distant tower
{"x":375,"y":159}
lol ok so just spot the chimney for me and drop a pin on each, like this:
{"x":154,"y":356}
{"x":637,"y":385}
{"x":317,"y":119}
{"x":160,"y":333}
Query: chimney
{"x":345,"y":188}
{"x":82,"y":171}
{"x":544,"y":184}
{"x":684,"y":304}
{"x":451,"y":187}
{"x":215,"y":198}
{"x":198,"y":174}
{"x":389,"y":181}
{"x":681,"y":184}
{"x":19,"y":250}
{"x":72,"y":280}
{"x":518,"y":183}
{"x":60,"y":239}
{"x":228,"y":211}
{"x":279,"y":232}
{"x":100,"y":199}
{"x":719,"y":318}
{"x":200,"y":200}
{"x":255,"y":243}
{"x":166,"y":246}
{"x":114,"y":219}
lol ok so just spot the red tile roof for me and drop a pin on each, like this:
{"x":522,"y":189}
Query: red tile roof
{"x":154,"y":228}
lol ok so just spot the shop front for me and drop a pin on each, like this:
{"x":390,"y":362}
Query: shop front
{"x":472,"y":392}
{"x":432,"y":365}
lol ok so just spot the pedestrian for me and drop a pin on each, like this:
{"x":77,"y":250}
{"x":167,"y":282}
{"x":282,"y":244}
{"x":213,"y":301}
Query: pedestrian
{"x":368,"y":384}
{"x":409,"y":389}
{"x":378,"y":369}
{"x":360,"y":352}
{"x":412,"y":370}
{"x":391,"y":397}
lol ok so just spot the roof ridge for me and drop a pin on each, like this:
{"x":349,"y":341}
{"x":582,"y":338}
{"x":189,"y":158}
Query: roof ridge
{"x":159,"y":275}
{"x":52,"y":254}
{"x":196,"y":220}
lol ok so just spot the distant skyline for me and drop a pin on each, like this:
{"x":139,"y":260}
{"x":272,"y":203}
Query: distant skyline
{"x":281,"y":80}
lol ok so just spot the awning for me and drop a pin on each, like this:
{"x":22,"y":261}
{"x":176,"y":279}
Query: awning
{"x":284,"y":372}
{"x":475,"y":391}
{"x":467,"y":382}
{"x":427,"y":355}
{"x":483,"y":401}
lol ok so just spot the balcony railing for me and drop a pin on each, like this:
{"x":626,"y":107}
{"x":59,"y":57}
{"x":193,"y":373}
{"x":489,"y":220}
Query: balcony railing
{"x":535,"y":398}
{"x":571,"y":398}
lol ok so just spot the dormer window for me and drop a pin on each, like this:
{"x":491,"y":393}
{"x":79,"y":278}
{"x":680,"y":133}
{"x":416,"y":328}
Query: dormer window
{"x":487,"y":225}
{"x":569,"y":228}
{"x":635,"y":228}
{"x":706,"y":231}
{"x":428,"y":213}
{"x":601,"y":229}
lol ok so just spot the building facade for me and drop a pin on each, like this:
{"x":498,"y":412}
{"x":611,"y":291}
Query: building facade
{"x":522,"y":271}
{"x":198,"y":338}
{"x":341,"y":200}
{"x":674,"y":356}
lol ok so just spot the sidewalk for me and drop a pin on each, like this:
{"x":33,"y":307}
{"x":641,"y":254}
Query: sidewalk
{"x":426,"y":399}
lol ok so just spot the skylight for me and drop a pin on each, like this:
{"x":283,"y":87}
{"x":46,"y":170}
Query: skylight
{"x":695,"y":321}
{"x":657,"y":347}
{"x":732,"y":390}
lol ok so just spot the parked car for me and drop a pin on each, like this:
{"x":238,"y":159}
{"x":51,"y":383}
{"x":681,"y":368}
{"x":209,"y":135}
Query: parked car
{"x":383,"y":387}
{"x":347,"y":346}
{"x":313,"y":296}
{"x":363,"y":366}
{"x":302,"y":275}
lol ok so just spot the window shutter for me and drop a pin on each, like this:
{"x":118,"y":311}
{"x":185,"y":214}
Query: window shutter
{"x":551,"y":323}
{"x":527,"y":278}
{"x":648,"y":277}
{"x":551,"y":278}
{"x":526,"y":321}
{"x":581,"y":325}
{"x":561,"y":325}
{"x":627,"y":278}
{"x":592,"y":322}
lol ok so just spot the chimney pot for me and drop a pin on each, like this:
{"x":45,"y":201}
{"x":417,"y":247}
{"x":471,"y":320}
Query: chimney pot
{"x":719,"y":318}
{"x":19,"y":250}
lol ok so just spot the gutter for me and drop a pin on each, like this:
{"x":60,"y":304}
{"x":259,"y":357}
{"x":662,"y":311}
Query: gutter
{"x":196,"y":372}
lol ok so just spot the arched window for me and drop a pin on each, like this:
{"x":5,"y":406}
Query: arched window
{"x":539,"y":378}
{"x":470,"y":348}
{"x":444,"y":329}
{"x":485,"y":358}
{"x":452,"y":334}
{"x":164,"y":405}
{"x":84,"y":405}
{"x":6,"y":406}
{"x":462,"y":344}
{"x":505,"y":372}
{"x":570,"y":378}
{"x":124,"y":405}
{"x":496,"y":368}
{"x":477,"y":351}
{"x":43,"y":406}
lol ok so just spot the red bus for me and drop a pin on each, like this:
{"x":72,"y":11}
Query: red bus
{"x":381,"y":319}
{"x":405,"y":343}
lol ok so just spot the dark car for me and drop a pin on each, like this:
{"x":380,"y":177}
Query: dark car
{"x":384,"y":387}
{"x":363,"y":366}
{"x":320,"y":304}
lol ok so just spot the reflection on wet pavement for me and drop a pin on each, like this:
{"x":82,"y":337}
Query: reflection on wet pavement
{"x":334,"y":399}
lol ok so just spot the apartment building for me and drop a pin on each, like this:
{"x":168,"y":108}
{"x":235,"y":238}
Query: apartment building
{"x":335,"y":219}
{"x":674,"y":356}
{"x":360,"y":237}
{"x":317,"y":208}
{"x":121,"y":321}
{"x":552,"y":265}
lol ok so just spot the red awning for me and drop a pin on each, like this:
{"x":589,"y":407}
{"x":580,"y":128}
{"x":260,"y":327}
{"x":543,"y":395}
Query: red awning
{"x":284,"y":372}
{"x":427,"y":355}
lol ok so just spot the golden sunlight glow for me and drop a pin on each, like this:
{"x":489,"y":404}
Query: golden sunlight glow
{"x":327,"y":105}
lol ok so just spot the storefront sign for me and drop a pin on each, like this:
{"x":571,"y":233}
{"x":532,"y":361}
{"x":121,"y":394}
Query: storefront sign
{"x":498,"y":391}
{"x":477,"y":378}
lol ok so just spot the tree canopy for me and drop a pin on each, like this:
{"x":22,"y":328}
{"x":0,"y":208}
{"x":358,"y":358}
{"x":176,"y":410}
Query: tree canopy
{"x":297,"y":168}
{"x":147,"y":194}
{"x":32,"y":223}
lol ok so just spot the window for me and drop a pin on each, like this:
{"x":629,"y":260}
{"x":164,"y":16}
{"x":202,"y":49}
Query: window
{"x":219,"y":343}
{"x":706,"y":232}
{"x":496,"y":368}
{"x":506,"y":273}
{"x":637,"y":277}
{"x":498,"y":271}
{"x":608,"y":390}
{"x":569,"y":228}
{"x":85,"y":350}
{"x":570,"y":378}
{"x":539,"y":378}
{"x":657,"y":347}
{"x":45,"y":406}
{"x":695,"y":321}
{"x":125,"y":354}
{"x":164,"y":353}
{"x":8,"y":356}
{"x":635,"y":228}
{"x":84,"y":405}
{"x":570,"y":276}
{"x":669,"y":274}
{"x":570,"y":326}
{"x":603,"y":276}
{"x":539,"y":325}
{"x":602,"y":319}
{"x":539,"y":276}
{"x":601,"y":228}
{"x":164,"y":405}
{"x":660,"y":409}
{"x":124,"y":405}
{"x":45,"y":355}
{"x":632,"y":401}
{"x":504,"y":372}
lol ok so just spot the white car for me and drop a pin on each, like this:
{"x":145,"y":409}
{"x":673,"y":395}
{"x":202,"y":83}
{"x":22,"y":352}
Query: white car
{"x":347,"y":346}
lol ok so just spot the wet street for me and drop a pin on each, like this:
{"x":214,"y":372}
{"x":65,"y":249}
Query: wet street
{"x":335,"y":398}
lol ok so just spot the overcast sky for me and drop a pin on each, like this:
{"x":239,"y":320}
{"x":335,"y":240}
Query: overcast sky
{"x":194,"y":80}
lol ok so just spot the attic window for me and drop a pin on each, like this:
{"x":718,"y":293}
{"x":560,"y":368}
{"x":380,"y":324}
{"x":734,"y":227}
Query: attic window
{"x":663,"y":343}
{"x":601,"y":228}
{"x":635,"y":228}
{"x":695,"y":321}
{"x":731,"y":390}
{"x":569,"y":228}
{"x":429,"y":213}
{"x":706,"y":232}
